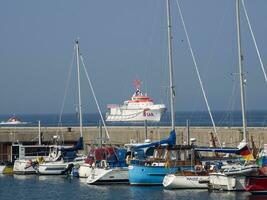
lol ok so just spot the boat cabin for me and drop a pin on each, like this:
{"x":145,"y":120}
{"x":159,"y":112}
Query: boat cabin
{"x":20,"y":151}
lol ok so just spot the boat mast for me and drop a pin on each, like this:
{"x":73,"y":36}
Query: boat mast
{"x":172,"y":94}
{"x":79,"y":85}
{"x":241,"y":72}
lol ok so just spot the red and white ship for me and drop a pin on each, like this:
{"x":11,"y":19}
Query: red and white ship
{"x":140,"y":108}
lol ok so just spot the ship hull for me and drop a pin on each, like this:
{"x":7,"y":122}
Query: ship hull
{"x":135,"y":115}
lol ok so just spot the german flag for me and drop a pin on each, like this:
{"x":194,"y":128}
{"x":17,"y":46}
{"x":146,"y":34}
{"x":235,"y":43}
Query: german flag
{"x":245,"y":152}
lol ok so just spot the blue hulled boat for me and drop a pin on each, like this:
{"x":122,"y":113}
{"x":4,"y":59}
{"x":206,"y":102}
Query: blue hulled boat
{"x":167,"y":158}
{"x":152,"y":175}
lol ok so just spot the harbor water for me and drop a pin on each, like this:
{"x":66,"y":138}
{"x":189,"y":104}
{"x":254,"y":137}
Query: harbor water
{"x":29,"y":187}
{"x":221,"y":118}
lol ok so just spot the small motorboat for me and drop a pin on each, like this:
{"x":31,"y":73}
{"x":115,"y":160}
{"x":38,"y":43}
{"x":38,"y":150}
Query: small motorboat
{"x":13,"y":121}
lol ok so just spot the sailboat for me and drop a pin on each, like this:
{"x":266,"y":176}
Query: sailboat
{"x":234,"y":178}
{"x":167,"y":155}
{"x":26,"y":156}
{"x":106,"y":165}
{"x":63,"y":158}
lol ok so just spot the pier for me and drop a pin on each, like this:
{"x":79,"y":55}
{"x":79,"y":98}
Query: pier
{"x":120,"y":135}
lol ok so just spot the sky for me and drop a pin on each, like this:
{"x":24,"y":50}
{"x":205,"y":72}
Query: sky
{"x":124,"y":40}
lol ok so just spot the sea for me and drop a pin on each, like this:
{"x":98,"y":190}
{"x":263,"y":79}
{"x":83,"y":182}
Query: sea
{"x":199,"y":118}
{"x":33,"y":187}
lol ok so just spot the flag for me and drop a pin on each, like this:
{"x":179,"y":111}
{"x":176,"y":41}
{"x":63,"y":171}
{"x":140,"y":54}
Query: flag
{"x":245,"y":152}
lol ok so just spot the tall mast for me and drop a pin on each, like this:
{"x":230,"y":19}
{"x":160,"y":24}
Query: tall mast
{"x":79,"y":86}
{"x":172,"y":94}
{"x":241,"y":72}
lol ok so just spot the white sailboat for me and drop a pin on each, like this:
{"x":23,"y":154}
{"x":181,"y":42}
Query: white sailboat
{"x":58,"y":162}
{"x":233,"y":178}
{"x":105,"y":165}
{"x":27,"y":156}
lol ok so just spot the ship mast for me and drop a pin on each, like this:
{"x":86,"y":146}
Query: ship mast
{"x":172,"y":93}
{"x":79,"y":85}
{"x":241,"y":72}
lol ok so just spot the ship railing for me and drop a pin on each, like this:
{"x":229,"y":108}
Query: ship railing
{"x":112,"y":106}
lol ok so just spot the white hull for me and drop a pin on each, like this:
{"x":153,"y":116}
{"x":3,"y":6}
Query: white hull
{"x":23,"y":167}
{"x":220,"y":181}
{"x":13,"y":123}
{"x":2,"y":167}
{"x":52,"y":168}
{"x":103,"y":176}
{"x":242,"y":170}
{"x":135,"y":115}
{"x":172,"y":181}
{"x":84,"y":170}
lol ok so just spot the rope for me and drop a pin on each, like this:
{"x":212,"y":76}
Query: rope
{"x":93,"y":92}
{"x":198,"y":74}
{"x":65,"y":93}
{"x":254,"y":40}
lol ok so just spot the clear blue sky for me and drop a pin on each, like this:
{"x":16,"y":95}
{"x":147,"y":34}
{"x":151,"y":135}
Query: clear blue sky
{"x":122,"y":40}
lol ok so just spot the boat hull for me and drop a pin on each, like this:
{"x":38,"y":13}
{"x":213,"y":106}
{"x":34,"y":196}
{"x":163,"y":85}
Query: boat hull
{"x":151,"y":175}
{"x":172,"y":181}
{"x":84,"y":170}
{"x":220,"y":181}
{"x":107,"y":176}
{"x":23,"y":167}
{"x":257,"y":185}
{"x":2,"y":167}
{"x":52,"y":168}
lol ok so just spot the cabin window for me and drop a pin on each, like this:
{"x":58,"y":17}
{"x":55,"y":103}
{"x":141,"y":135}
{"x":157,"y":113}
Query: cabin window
{"x":159,"y":153}
{"x":173,"y":155}
{"x":36,"y":151}
{"x":182,"y":155}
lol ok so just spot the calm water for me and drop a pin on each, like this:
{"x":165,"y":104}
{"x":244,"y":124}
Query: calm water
{"x":21,"y":187}
{"x":221,"y":118}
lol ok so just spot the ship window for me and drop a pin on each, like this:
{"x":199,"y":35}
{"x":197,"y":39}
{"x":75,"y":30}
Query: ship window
{"x":36,"y":151}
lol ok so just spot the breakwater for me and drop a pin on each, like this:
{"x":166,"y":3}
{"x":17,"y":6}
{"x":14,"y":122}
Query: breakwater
{"x":120,"y":135}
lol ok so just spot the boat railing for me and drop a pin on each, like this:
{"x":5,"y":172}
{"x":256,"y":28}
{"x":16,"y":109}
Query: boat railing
{"x":113,"y":106}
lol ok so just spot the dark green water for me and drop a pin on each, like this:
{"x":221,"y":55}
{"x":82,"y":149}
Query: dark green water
{"x":61,"y":188}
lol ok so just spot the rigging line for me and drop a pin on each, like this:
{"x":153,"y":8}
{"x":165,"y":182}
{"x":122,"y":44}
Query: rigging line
{"x":214,"y":46}
{"x":254,"y":40}
{"x":93,"y":92}
{"x":66,"y":88}
{"x":198,"y":74}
